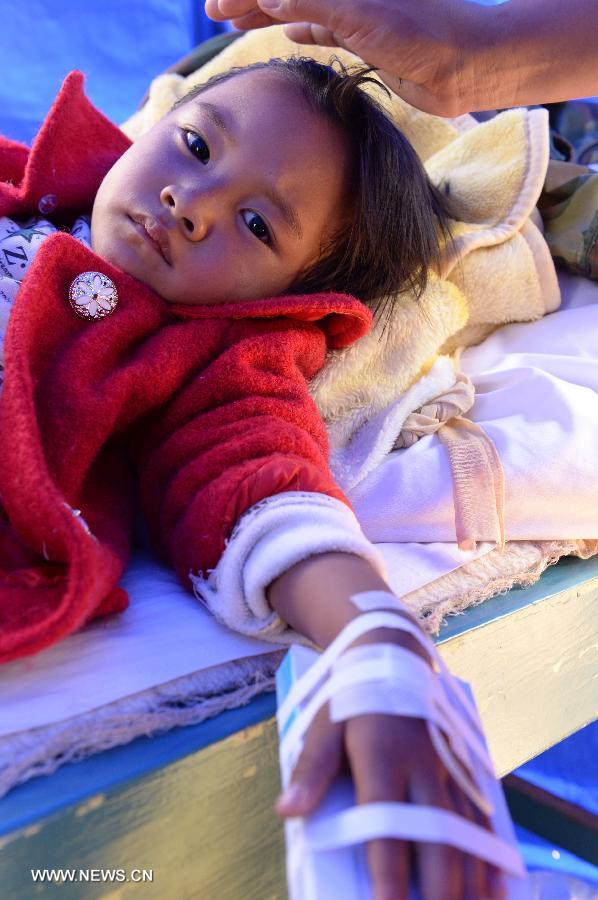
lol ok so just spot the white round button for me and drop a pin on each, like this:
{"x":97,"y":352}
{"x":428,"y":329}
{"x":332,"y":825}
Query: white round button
{"x":93,"y":295}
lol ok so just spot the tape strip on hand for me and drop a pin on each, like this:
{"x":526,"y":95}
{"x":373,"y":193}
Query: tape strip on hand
{"x":406,"y":821}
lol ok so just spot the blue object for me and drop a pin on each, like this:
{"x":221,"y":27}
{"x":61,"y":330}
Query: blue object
{"x":569,"y":769}
{"x":120,"y":47}
{"x":539,"y":855}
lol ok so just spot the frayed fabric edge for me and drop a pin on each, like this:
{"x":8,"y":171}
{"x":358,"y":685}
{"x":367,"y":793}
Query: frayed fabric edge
{"x":519,"y":564}
{"x":183,"y":701}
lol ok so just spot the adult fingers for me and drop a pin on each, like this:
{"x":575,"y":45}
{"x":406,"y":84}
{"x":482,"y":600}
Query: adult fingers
{"x":321,"y":12}
{"x":244,"y":14}
{"x":253,"y":19}
{"x":305,"y":33}
{"x":415,"y":59}
{"x":221,"y":10}
{"x":317,"y":767}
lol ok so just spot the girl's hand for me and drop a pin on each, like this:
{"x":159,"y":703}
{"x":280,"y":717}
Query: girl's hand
{"x":391,"y":758}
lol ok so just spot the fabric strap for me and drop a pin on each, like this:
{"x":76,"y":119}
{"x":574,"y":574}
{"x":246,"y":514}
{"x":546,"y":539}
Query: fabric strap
{"x":478,"y":483}
{"x":476,"y":469}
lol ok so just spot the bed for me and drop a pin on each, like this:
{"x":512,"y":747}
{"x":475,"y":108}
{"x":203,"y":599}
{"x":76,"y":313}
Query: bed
{"x":177,"y":740}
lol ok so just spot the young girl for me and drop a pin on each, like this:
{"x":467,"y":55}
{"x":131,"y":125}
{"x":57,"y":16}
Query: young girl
{"x":152,"y":350}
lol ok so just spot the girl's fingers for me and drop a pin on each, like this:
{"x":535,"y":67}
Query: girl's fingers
{"x":388,"y":862}
{"x":475,"y":869}
{"x":373,"y":745}
{"x":317,"y":767}
{"x":440,"y":868}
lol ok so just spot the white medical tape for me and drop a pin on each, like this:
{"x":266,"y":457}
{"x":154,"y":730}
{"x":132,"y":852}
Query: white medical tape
{"x":442,"y":717}
{"x":335,"y":682}
{"x":357,"y":687}
{"x":410,"y":674}
{"x":388,"y":679}
{"x":353,"y":630}
{"x":468,"y":785}
{"x":404,"y":821}
{"x":368,"y":601}
{"x":295,"y":848}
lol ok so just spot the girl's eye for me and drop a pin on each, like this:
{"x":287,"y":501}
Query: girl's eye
{"x":257,"y":226}
{"x":197,"y":146}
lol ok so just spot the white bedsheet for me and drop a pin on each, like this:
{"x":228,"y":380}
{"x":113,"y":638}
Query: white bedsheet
{"x":163,"y":635}
{"x":538,"y":399}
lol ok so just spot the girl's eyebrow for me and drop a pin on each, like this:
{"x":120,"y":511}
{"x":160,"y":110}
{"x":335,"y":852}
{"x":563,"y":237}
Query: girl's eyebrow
{"x":287,"y":211}
{"x":217,"y":119}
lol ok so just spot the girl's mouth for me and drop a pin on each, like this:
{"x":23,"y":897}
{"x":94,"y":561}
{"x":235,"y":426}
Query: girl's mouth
{"x":155,"y":233}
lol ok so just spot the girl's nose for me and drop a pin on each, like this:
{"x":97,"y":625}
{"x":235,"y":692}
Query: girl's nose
{"x":191,"y":211}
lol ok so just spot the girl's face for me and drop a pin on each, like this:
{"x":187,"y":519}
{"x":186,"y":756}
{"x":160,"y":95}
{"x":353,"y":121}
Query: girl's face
{"x":229,"y":197}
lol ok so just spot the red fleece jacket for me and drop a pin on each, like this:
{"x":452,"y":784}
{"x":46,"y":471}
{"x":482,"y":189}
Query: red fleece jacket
{"x":207,"y":407}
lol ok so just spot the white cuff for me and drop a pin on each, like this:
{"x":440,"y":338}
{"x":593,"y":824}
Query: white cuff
{"x":269,"y":539}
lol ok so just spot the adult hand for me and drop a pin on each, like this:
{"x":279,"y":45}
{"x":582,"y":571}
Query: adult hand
{"x":414,"y":46}
{"x":447,"y":57}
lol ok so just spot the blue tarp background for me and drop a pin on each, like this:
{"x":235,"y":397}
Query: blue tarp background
{"x":121,"y":45}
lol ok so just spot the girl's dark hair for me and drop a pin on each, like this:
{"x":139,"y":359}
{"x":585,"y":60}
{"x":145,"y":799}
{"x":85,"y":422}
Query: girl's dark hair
{"x":397,"y":215}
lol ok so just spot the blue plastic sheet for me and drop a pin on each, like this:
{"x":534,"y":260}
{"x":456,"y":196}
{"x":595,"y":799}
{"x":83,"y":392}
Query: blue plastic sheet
{"x":569,"y":770}
{"x":120,"y":46}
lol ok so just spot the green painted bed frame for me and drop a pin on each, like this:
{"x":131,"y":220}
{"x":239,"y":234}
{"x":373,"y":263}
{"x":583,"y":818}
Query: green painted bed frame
{"x":193,"y":806}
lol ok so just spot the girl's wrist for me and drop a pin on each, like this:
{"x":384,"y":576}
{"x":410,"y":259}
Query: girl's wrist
{"x":314,"y":597}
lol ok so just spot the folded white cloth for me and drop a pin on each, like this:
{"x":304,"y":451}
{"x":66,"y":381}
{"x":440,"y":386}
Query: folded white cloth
{"x":537,"y":398}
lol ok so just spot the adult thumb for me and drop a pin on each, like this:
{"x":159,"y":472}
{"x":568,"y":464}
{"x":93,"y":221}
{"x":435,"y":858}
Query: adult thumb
{"x":316,"y":12}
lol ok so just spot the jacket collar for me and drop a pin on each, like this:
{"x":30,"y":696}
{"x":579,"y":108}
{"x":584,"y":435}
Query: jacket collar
{"x":71,"y":154}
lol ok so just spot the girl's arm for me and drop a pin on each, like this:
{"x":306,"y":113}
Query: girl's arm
{"x":391,"y":758}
